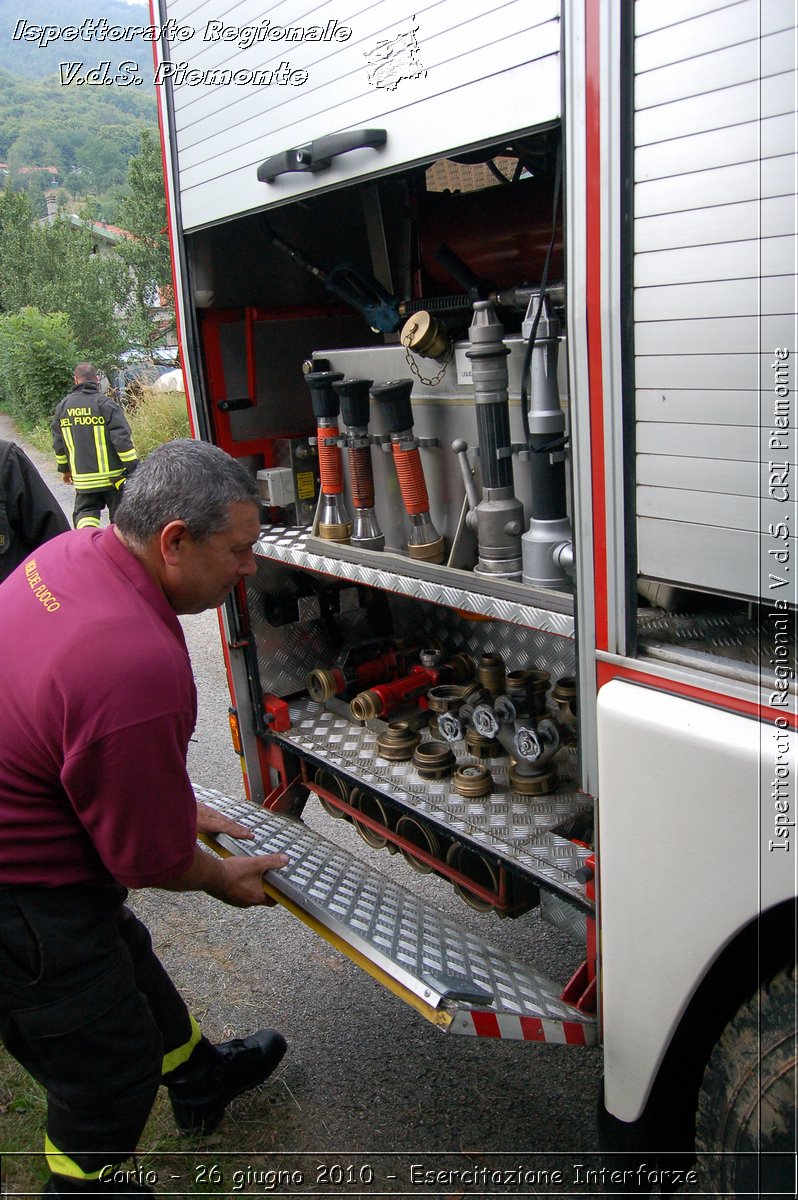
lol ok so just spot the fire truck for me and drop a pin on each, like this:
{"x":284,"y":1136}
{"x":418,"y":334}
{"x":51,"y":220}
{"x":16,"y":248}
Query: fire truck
{"x":497,"y":304}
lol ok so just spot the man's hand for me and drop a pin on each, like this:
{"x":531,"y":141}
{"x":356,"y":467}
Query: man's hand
{"x":242,"y":885}
{"x":66,"y":476}
{"x":237,"y":880}
{"x":211,"y":821}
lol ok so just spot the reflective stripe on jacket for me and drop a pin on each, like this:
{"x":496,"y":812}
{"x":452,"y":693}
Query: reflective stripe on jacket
{"x":92,"y":439}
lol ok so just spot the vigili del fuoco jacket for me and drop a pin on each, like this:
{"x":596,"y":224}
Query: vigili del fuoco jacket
{"x":92,"y":440}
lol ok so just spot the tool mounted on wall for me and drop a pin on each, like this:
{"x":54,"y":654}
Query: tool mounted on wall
{"x":354,"y":398}
{"x":394,"y":399}
{"x":499,"y":516}
{"x":351,"y":284}
{"x":547,"y":546}
{"x":334,"y":523}
{"x":548,"y":551}
{"x":385,"y":312}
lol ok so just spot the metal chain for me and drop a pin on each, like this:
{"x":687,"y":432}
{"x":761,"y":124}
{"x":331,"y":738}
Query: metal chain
{"x":411,"y":362}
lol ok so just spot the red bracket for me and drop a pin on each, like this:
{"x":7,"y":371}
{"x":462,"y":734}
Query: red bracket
{"x":279,"y":713}
{"x":581,"y":988}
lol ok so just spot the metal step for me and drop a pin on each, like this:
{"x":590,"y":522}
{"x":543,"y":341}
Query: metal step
{"x":456,"y":980}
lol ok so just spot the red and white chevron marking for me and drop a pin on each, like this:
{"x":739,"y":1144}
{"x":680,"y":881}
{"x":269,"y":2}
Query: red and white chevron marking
{"x":525,"y":1029}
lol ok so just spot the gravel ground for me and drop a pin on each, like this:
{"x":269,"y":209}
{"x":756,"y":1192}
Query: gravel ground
{"x":366,"y":1081}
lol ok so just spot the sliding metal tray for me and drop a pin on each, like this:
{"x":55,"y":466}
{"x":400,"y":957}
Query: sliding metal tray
{"x":517,"y":829}
{"x":456,"y":980}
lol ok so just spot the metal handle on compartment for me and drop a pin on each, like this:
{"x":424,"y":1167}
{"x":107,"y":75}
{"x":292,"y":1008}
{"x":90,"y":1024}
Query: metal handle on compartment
{"x":317,"y":155}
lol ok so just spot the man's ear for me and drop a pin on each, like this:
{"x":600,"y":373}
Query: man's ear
{"x":173,"y":537}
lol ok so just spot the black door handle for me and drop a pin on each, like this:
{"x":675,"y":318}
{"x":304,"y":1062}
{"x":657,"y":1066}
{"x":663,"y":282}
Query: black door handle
{"x":316,"y":155}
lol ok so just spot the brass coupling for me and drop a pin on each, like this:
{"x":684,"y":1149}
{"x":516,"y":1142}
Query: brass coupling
{"x":490,"y":673}
{"x":473,"y":780}
{"x":434,"y":760}
{"x":398,"y":741}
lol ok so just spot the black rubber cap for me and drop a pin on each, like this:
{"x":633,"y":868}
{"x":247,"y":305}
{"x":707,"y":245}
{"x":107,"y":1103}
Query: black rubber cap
{"x":323,"y":398}
{"x":354,"y":397}
{"x":394,"y":397}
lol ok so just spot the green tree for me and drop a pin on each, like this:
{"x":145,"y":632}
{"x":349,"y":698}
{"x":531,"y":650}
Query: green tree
{"x":105,"y":156}
{"x":36,"y":185}
{"x":35,"y":146}
{"x":88,"y":133}
{"x":56,"y":268}
{"x":68,"y":275}
{"x":16,"y":235}
{"x":38,"y":353}
{"x":143,"y":213}
{"x":107,"y":205}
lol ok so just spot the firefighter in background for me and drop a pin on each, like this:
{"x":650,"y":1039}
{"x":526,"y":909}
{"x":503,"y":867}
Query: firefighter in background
{"x":93,"y":447}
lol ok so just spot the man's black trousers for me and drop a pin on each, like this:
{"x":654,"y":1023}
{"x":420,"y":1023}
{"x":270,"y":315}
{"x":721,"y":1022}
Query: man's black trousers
{"x":87,"y":1008}
{"x":89,"y":505}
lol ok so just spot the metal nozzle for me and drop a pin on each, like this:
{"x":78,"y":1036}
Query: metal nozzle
{"x":334,"y":523}
{"x":366,"y":531}
{"x":425,"y":542}
{"x":499,"y":516}
{"x":547,"y":549}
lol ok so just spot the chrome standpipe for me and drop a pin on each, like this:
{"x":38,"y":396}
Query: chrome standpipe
{"x":547,"y":546}
{"x":498,"y":518}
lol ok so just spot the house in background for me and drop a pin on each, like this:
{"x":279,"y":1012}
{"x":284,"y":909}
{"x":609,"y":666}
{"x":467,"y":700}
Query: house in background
{"x":106,"y":239}
{"x":52,"y":172}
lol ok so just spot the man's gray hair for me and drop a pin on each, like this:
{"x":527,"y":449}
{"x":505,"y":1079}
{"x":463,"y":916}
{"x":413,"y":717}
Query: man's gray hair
{"x":184,"y":480}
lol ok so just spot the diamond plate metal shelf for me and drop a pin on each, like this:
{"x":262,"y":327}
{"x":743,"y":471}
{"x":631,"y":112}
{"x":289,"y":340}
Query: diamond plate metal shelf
{"x":516,"y":829}
{"x":504,"y":601}
{"x":727,"y":643}
{"x":450,"y":970}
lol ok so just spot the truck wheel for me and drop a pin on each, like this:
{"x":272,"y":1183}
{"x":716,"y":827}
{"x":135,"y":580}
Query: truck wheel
{"x":746,"y":1106}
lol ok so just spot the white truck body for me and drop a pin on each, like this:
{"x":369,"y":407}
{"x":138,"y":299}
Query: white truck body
{"x":678,"y":134}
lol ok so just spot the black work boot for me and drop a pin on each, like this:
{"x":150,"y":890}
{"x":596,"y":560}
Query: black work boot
{"x":214,"y":1075}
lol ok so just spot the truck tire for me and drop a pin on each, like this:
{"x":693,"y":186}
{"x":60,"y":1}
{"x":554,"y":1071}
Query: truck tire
{"x":746,"y":1106}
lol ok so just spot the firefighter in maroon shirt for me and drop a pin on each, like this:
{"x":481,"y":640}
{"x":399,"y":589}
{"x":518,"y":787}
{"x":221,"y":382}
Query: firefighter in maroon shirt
{"x":96,"y":710}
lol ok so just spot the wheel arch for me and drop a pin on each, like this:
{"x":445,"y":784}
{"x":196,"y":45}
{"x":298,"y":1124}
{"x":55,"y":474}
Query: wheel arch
{"x":757,"y":952}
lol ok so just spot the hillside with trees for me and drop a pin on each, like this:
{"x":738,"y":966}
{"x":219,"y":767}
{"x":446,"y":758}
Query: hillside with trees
{"x":34,"y":61}
{"x":84,"y":255}
{"x":80,"y":138}
{"x":111,"y":296}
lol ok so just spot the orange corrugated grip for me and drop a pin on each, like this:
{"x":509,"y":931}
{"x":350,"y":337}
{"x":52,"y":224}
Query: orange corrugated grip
{"x":412,"y":484}
{"x":361,"y":477}
{"x":332,"y":476}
